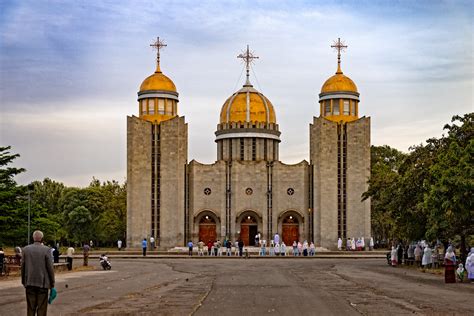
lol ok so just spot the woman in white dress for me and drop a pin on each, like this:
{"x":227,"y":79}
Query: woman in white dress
{"x":427,"y":253}
{"x":470,"y":265}
{"x":339,"y":244}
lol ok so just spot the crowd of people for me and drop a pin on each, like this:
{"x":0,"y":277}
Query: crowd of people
{"x":422,"y":254}
{"x":358,"y":244}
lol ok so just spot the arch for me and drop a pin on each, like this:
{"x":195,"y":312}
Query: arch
{"x":291,"y":226}
{"x":206,"y":224}
{"x":248,"y":224}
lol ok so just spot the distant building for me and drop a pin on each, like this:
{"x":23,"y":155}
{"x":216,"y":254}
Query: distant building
{"x":248,"y":189}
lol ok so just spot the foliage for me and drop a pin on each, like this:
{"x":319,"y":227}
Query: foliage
{"x":427,"y":193}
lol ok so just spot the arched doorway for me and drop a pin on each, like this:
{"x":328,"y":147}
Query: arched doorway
{"x":290,"y":230}
{"x":248,"y":230}
{"x":207,"y":229}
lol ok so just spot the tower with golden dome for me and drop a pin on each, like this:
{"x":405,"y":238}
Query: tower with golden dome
{"x":157,"y":154}
{"x":247,"y":191}
{"x":340,"y":160}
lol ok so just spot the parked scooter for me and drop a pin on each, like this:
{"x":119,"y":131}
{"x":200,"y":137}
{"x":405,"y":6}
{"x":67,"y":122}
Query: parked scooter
{"x":105,"y":262}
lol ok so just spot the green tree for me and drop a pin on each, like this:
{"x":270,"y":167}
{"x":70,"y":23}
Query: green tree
{"x":13,"y":217}
{"x":449,"y":198}
{"x":385,"y":163}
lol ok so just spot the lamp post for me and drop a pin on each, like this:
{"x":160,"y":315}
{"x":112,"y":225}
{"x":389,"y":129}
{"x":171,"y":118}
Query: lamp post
{"x":29,"y":214}
{"x":30,"y":187}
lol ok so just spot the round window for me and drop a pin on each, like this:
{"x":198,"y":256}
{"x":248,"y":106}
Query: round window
{"x":290,"y":191}
{"x":207,"y":191}
{"x":248,"y":191}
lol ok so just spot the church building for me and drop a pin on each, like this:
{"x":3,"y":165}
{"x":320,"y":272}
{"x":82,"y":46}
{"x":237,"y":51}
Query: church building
{"x":247,"y":189}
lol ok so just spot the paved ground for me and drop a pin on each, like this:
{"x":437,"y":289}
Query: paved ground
{"x":300,"y":286}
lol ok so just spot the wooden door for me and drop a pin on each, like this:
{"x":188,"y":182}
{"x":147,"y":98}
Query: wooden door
{"x":290,"y":233}
{"x":244,"y":234}
{"x":207,"y":232}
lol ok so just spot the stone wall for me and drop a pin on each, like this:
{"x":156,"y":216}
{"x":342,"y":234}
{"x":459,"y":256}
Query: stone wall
{"x":174,"y":158}
{"x":358,"y":173}
{"x":323,"y":157}
{"x":138,"y":180}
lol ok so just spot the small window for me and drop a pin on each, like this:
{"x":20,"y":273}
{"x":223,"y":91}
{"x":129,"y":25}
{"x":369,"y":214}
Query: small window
{"x":169,"y":107}
{"x":143,"y":107}
{"x":335,"y":107}
{"x":353,"y":107}
{"x":346,"y":107}
{"x":151,"y":106}
{"x":327,"y":107}
{"x":161,"y":106}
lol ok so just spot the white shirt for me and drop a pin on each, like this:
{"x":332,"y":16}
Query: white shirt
{"x":70,"y":252}
{"x":119,"y":243}
{"x":152,"y":239}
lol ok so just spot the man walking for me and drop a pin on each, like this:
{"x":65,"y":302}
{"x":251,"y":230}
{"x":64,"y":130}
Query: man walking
{"x":144,"y":245}
{"x":69,"y":253}
{"x":85,"y":252}
{"x":37,"y":275}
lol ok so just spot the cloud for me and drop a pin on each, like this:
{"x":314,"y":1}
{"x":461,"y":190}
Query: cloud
{"x":69,"y":71}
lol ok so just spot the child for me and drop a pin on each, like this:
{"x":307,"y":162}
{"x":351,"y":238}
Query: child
{"x":460,"y":272}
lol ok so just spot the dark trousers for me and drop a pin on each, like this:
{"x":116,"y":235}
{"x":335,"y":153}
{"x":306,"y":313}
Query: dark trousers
{"x":241,"y":249}
{"x":69,"y":263}
{"x":36,"y":301}
{"x":144,"y":252}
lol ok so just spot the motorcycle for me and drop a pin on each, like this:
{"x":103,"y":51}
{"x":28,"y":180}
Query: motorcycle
{"x":105,"y":262}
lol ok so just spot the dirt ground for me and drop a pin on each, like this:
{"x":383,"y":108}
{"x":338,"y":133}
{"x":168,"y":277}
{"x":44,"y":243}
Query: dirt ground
{"x":305,"y":286}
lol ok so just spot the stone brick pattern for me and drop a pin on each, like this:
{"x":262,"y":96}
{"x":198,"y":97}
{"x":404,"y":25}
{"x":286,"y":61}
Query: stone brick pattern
{"x":138,"y":180}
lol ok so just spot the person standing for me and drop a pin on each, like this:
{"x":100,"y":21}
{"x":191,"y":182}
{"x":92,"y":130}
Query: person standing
{"x":2,"y":258}
{"x":427,"y":257}
{"x":69,"y":256}
{"x":85,"y":252}
{"x":339,"y":244}
{"x":283,"y":249}
{"x":312,"y":249}
{"x":91,"y":244}
{"x":277,"y":249}
{"x":257,"y":239}
{"x":393,"y":256}
{"x":144,"y":246}
{"x":449,"y":265}
{"x":371,"y":244}
{"x":152,"y":243}
{"x":276,"y":238}
{"x":209,"y":248}
{"x":418,"y":254}
{"x":190,"y":248}
{"x":37,"y":275}
{"x":56,"y":254}
{"x":470,"y":265}
{"x":241,"y":247}
{"x":295,"y":249}
{"x":200,"y":248}
{"x":229,"y":247}
{"x":119,"y":245}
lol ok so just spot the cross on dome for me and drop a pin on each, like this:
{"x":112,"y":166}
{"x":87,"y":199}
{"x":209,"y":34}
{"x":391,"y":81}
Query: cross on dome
{"x":158,"y":45}
{"x":340,"y":47}
{"x":247,"y":57}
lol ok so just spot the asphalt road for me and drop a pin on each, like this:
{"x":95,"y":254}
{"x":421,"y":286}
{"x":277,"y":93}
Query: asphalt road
{"x":304,"y":286}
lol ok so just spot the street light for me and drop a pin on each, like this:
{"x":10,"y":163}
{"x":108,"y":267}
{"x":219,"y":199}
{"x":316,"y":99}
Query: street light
{"x":30,"y":187}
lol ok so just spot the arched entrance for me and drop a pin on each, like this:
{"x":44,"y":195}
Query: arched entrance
{"x":290,"y":230}
{"x":248,"y":230}
{"x":207,"y":229}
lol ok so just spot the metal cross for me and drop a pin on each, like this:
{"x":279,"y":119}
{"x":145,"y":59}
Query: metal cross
{"x":248,"y":58}
{"x":158,"y":44}
{"x":340,"y":47}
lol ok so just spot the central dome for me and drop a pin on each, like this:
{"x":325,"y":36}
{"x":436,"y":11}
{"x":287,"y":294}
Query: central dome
{"x":247,"y":105}
{"x":158,"y":81}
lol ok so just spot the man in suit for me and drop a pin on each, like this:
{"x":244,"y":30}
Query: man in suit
{"x":37,"y":275}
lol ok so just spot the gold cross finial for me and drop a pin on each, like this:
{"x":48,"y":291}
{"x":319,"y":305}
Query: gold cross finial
{"x":248,"y":57}
{"x":158,"y":44}
{"x":340,"y":47}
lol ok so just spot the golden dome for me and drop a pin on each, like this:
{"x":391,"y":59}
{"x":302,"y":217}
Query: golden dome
{"x":158,"y":81}
{"x":247,"y":105}
{"x":339,"y":82}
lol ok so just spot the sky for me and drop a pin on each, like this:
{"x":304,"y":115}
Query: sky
{"x":70,"y":72}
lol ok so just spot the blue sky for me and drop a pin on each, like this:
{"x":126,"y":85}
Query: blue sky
{"x":70,"y":71}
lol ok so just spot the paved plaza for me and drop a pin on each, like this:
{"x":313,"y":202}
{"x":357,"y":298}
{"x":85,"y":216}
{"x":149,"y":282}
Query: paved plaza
{"x":296,"y":286}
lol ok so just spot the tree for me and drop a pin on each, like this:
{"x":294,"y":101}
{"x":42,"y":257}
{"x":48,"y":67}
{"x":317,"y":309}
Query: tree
{"x":449,"y":198}
{"x":385,"y":162}
{"x":13,"y":224}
